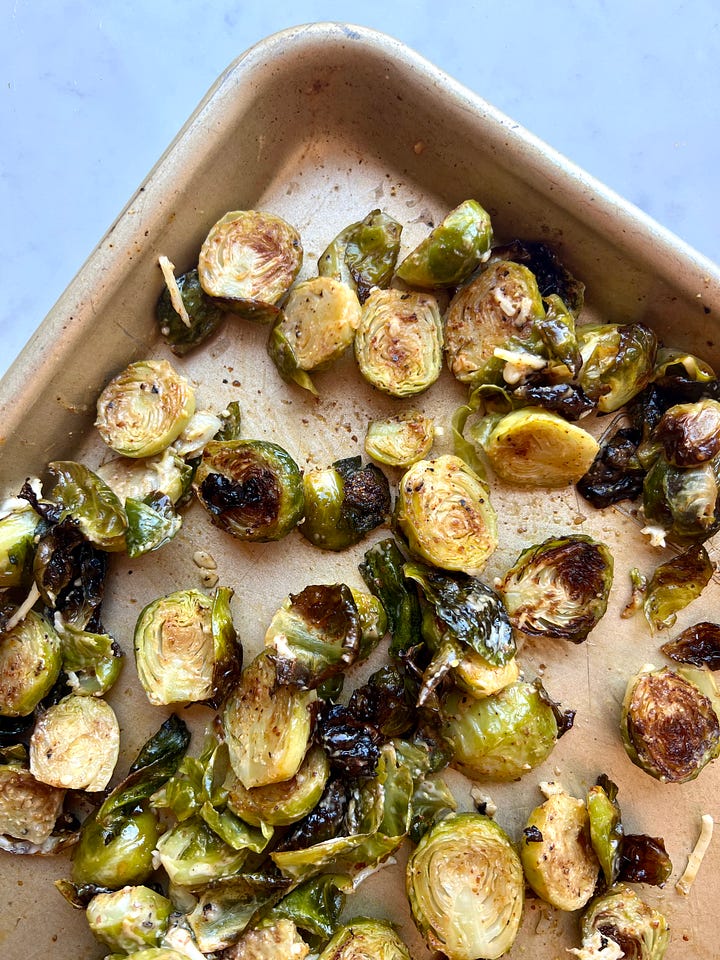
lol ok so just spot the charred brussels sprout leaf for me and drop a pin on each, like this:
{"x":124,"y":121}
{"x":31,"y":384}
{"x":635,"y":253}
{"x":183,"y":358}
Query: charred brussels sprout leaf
{"x":644,"y":859}
{"x":30,"y":662}
{"x":618,"y":362}
{"x":252,"y":489}
{"x":622,"y":917}
{"x":382,"y":571}
{"x":385,"y":702}
{"x":204,"y":314}
{"x":83,"y":496}
{"x":17,"y":533}
{"x":559,"y":588}
{"x":29,"y":809}
{"x":567,"y":399}
{"x":128,"y":919}
{"x":476,"y":910}
{"x":364,"y":254}
{"x":116,"y":854}
{"x":684,"y":501}
{"x":351,"y":742}
{"x":699,"y":645}
{"x":249,"y":261}
{"x":364,"y":937}
{"x":399,"y":441}
{"x":551,"y":275}
{"x":675,"y":584}
{"x":615,"y":474}
{"x":690,"y":433}
{"x":557,"y":332}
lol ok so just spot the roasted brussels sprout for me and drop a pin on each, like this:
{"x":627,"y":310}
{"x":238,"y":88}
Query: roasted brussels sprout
{"x":399,"y":441}
{"x":249,"y":261}
{"x":399,"y":342}
{"x":559,"y":588}
{"x":362,"y":938}
{"x":690,"y":433}
{"x":186,"y":649}
{"x":385,"y":702}
{"x":444,"y":510}
{"x":619,"y":915}
{"x":382,"y":571}
{"x":91,"y":661}
{"x":30,"y":662}
{"x":364,"y":254}
{"x":618,"y":362}
{"x":119,"y":853}
{"x":130,"y":918}
{"x":465,"y":885}
{"x":343,"y":503}
{"x":276,"y":938}
{"x":316,"y":326}
{"x":452,"y":251}
{"x":669,"y":726}
{"x":138,"y":479}
{"x":83,"y":497}
{"x":29,"y":808}
{"x":533,"y":447}
{"x":616,"y":473}
{"x":17,"y":533}
{"x":193,"y":855}
{"x":144,"y":408}
{"x":551,"y":275}
{"x":606,"y":829}
{"x":252,"y":489}
{"x":186,"y":315}
{"x":674,"y":585}
{"x":698,"y":645}
{"x":75,"y":744}
{"x":685,"y":502}
{"x":556,"y":853}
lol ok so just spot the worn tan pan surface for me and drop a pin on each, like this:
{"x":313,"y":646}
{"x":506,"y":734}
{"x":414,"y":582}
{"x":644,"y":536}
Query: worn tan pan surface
{"x":321,"y":124}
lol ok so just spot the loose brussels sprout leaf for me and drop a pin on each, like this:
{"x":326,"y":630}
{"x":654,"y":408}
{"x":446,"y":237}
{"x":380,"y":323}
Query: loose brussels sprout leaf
{"x":234,"y":831}
{"x":17,"y":535}
{"x":324,"y":822}
{"x":249,"y":261}
{"x":500,"y":737}
{"x":204,"y":314}
{"x":675,"y":584}
{"x":30,"y":662}
{"x":606,"y":829}
{"x":452,"y":251}
{"x":621,"y":916}
{"x":315,"y":906}
{"x":618,"y":362}
{"x":275,"y":938}
{"x":315,"y":327}
{"x":352,"y":743}
{"x":92,"y":661}
{"x":685,"y":501}
{"x":227,"y":907}
{"x":669,"y":728}
{"x":673,"y":365}
{"x":231,"y":419}
{"x":559,"y":588}
{"x":118,"y":853}
{"x":150,"y":525}
{"x":75,"y":744}
{"x":690,"y":433}
{"x":699,"y":645}
{"x":364,"y":254}
{"x":82,"y":495}
{"x":532,"y":447}
{"x":616,"y":473}
{"x":252,"y":489}
{"x":476,"y":910}
{"x":557,"y":855}
{"x":363,"y":938}
{"x":192,"y":854}
{"x":444,"y":510}
{"x":343,"y":503}
{"x":497,"y":311}
{"x":567,"y":399}
{"x":144,"y":408}
{"x":267,"y":727}
{"x":385,"y":702}
{"x":557,"y":332}
{"x":186,"y":648}
{"x":551,"y":276}
{"x":401,"y":440}
{"x":644,"y":859}
{"x":382,"y":571}
{"x":399,"y":342}
{"x":373,"y":621}
{"x":29,"y":809}
{"x":480,"y":678}
{"x":430,"y":802}
{"x":128,"y":919}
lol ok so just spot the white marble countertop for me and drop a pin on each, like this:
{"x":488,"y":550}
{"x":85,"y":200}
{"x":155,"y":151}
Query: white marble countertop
{"x":93,"y":93}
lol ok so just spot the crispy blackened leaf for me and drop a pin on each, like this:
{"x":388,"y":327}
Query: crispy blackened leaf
{"x":55,"y":563}
{"x":699,"y":645}
{"x":386,"y":702}
{"x":616,"y":473}
{"x":79,"y":895}
{"x":565,"y":719}
{"x":382,"y":571}
{"x":324,"y":822}
{"x":352,"y":745}
{"x":13,"y":728}
{"x":51,"y":512}
{"x":551,"y":275}
{"x":366,"y":495}
{"x":80,"y":603}
{"x":644,"y":859}
{"x":567,"y":399}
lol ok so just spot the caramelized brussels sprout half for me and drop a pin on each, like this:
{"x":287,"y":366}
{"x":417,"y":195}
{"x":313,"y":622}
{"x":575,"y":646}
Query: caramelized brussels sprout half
{"x":363,"y":938}
{"x":29,"y":808}
{"x":249,"y":261}
{"x":17,"y":534}
{"x":444,"y":510}
{"x":618,"y":362}
{"x":315,"y":327}
{"x":674,"y":585}
{"x":364,"y":254}
{"x":400,"y":441}
{"x":130,"y":918}
{"x":267,"y":727}
{"x":640,"y":931}
{"x":499,"y":737}
{"x":398,"y":345}
{"x":698,"y":645}
{"x":685,"y":502}
{"x":480,"y":678}
{"x":669,"y":726}
{"x":559,"y":588}
{"x":203,"y":314}
{"x":137,"y":479}
{"x":532,"y":447}
{"x":466,"y":889}
{"x":343,"y":503}
{"x":452,"y":251}
{"x":186,"y":648}
{"x":252,"y":489}
{"x":497,"y":311}
{"x":30,"y":662}
{"x":144,"y":408}
{"x":118,"y":853}
{"x":75,"y":744}
{"x":557,"y":855}
{"x":690,"y":433}
{"x":82,"y":496}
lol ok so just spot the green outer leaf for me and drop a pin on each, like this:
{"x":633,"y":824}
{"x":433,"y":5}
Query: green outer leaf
{"x":228,"y":907}
{"x":314,"y":906}
{"x":81,"y":494}
{"x":228,"y":651}
{"x":231,"y":829}
{"x":205,"y":315}
{"x":675,"y":584}
{"x":606,"y":831}
{"x":231,"y":423}
{"x":149,"y":527}
{"x":382,"y":571}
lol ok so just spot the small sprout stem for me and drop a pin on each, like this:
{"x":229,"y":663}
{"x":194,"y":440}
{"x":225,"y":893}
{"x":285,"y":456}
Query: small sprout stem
{"x":168,"y":272}
{"x":696,"y":857}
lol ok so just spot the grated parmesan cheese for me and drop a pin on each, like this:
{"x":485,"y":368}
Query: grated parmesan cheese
{"x":174,"y":290}
{"x":656,"y":534}
{"x":696,"y":857}
{"x":24,"y":608}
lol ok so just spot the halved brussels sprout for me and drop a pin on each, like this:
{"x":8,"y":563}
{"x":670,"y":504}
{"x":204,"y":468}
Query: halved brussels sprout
{"x":499,"y":737}
{"x":17,"y":533}
{"x":685,"y":501}
{"x":401,"y":440}
{"x":343,"y":503}
{"x":364,"y":254}
{"x":279,"y":938}
{"x":698,"y":645}
{"x":28,"y":808}
{"x":30,"y":662}
{"x":670,"y":728}
{"x":252,"y":489}
{"x":533,"y":447}
{"x":363,"y":938}
{"x":136,"y":479}
{"x":398,"y":345}
{"x":91,"y":661}
{"x":690,"y":433}
{"x":640,"y":931}
{"x":204,"y":315}
{"x":126,"y":919}
{"x":144,"y":408}
{"x":557,"y":855}
{"x":186,"y":648}
{"x":606,"y":829}
{"x":675,"y":584}
{"x":466,"y":889}
{"x":267,"y":727}
{"x":76,"y":744}
{"x":85,"y":498}
{"x":559,"y":588}
{"x":618,"y":362}
{"x":315,"y":327}
{"x":497,"y":311}
{"x":249,"y":261}
{"x":551,"y":274}
{"x":452,"y":251}
{"x":444,"y":510}
{"x":480,"y":678}
{"x":118,"y":853}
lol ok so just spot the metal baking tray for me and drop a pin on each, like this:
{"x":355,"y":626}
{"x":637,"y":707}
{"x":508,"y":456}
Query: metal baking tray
{"x":320,"y":124}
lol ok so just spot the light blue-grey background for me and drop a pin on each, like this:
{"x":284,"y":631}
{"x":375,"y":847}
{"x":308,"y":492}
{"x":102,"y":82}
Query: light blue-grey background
{"x":93,"y":92}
